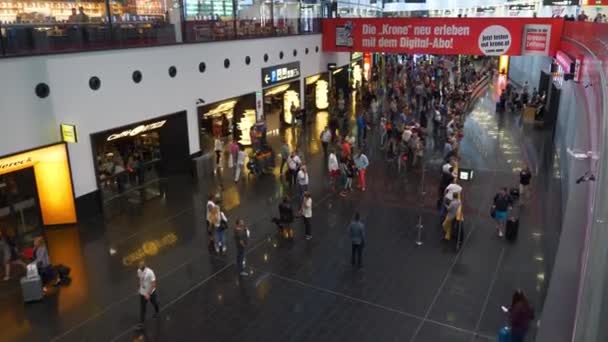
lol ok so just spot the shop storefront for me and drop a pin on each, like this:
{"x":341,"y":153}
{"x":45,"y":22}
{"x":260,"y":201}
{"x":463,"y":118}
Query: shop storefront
{"x":281,"y":85}
{"x":35,"y":191}
{"x":339,"y":82}
{"x":317,"y":92}
{"x":227,"y":119}
{"x":138,"y":158}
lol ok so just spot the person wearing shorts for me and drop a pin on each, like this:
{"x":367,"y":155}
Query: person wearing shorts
{"x":500,"y":207}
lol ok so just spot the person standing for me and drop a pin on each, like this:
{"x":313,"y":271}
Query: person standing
{"x":451,"y":212}
{"x":307,"y":214}
{"x":521,"y":314}
{"x":218,"y":148}
{"x":219,"y":224}
{"x":241,"y":239}
{"x":361,"y":162}
{"x":147,"y":290}
{"x":357,"y":237}
{"x":348,"y":171}
{"x":502,"y":203}
{"x":325,"y":139}
{"x":361,"y":125}
{"x":334,"y":169}
{"x":293,"y":163}
{"x":284,"y":155}
{"x":524,"y":182}
{"x":302,"y":181}
{"x":240,"y":163}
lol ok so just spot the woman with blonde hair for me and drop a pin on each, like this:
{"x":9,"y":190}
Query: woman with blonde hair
{"x":219,"y":224}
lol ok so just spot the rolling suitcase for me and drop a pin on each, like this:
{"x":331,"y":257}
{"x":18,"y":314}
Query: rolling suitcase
{"x":31,"y":287}
{"x":504,"y":334}
{"x":512,"y":229}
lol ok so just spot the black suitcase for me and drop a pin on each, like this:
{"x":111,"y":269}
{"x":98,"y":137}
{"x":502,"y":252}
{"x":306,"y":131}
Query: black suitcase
{"x":514,"y":192}
{"x":512,"y":228}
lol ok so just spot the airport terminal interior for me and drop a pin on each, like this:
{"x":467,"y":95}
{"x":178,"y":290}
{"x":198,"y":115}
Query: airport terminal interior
{"x":286,"y":170}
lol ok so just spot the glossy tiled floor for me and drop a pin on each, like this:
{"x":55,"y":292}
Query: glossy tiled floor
{"x":307,"y":290}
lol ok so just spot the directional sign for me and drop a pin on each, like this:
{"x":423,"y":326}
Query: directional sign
{"x":280,"y":73}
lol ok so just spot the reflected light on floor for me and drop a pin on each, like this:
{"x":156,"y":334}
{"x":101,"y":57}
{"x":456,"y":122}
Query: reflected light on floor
{"x":65,"y":248}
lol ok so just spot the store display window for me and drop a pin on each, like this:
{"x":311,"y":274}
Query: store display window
{"x":227,"y":119}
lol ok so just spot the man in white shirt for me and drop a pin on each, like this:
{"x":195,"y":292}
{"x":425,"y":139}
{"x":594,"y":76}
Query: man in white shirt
{"x":147,"y":290}
{"x":302,"y":181}
{"x":218,"y":148}
{"x":240,"y":164}
{"x":452,"y":189}
{"x":307,"y":214}
{"x":325,"y":139}
{"x":293,"y":163}
{"x":334,"y":169}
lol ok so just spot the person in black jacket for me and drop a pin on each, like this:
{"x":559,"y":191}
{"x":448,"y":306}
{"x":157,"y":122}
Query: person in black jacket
{"x":285,"y":218}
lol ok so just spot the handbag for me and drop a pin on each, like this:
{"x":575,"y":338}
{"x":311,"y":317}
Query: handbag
{"x":493,"y":212}
{"x":223,"y":225}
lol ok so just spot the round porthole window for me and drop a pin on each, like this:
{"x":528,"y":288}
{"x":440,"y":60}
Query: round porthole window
{"x":202,"y":67}
{"x":247,"y":60}
{"x":265,"y":57}
{"x":42,"y":90}
{"x":172,"y":71}
{"x":306,"y":51}
{"x":137,"y":76}
{"x":226,"y":63}
{"x":281,"y":55}
{"x":295,"y":52}
{"x":94,"y":83}
{"x":317,"y":48}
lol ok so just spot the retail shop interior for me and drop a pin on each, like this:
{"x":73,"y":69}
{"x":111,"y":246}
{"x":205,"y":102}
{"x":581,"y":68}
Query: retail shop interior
{"x":136,"y":160}
{"x":227,"y":119}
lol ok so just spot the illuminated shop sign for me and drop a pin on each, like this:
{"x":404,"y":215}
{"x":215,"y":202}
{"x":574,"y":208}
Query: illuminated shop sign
{"x":280,"y":73}
{"x":15,"y":164}
{"x":356,"y":55}
{"x":137,"y":130}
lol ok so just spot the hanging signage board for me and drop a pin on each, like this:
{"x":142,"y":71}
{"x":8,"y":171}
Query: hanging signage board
{"x":449,"y":36}
{"x":280,"y":73}
{"x":68,"y":133}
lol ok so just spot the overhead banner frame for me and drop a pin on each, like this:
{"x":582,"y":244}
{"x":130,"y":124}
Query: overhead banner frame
{"x":448,"y":36}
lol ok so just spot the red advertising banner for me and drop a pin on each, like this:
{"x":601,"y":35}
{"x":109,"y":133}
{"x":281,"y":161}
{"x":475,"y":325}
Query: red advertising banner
{"x":448,"y":36}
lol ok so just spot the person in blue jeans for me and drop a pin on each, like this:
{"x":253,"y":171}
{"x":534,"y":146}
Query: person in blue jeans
{"x":502,"y":204}
{"x":521,"y":314}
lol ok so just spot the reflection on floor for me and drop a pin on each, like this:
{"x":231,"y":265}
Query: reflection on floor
{"x":307,"y":290}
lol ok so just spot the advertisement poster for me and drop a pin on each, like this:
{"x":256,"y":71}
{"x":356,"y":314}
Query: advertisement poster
{"x":449,"y":36}
{"x":536,"y":40}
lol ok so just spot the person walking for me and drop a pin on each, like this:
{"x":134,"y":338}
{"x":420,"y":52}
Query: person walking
{"x":502,"y":204}
{"x":348,"y":171}
{"x":284,"y":155}
{"x":325,"y":139}
{"x":361,"y":162}
{"x":240,"y":163}
{"x":521,"y":314}
{"x":302,"y":181}
{"x":234,"y":153}
{"x":218,"y":148}
{"x":361,"y":126}
{"x":334,"y":169}
{"x":451,"y":212}
{"x":147,"y":290}
{"x":524,"y":182}
{"x":307,"y":214}
{"x":219,"y":224}
{"x":357,"y":237}
{"x":241,"y":238}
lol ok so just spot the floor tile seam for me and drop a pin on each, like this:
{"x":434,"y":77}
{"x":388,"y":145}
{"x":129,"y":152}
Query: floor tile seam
{"x":153,"y":226}
{"x":490,"y":288}
{"x":366,"y":302}
{"x":463,"y":330}
{"x":114,"y":304}
{"x":119,"y":302}
{"x":443,"y":282}
{"x":178,"y":298}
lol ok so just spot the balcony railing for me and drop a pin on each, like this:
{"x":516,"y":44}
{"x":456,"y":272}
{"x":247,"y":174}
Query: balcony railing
{"x":32,"y":27}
